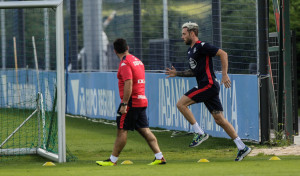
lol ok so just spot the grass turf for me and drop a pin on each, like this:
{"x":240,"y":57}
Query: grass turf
{"x":91,"y":141}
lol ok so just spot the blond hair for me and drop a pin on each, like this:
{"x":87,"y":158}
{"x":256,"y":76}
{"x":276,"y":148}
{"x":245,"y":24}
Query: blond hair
{"x":191,"y":27}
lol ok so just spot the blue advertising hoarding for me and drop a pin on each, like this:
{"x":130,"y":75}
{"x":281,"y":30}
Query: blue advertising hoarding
{"x":93,"y":95}
{"x":19,"y":89}
{"x":96,"y":95}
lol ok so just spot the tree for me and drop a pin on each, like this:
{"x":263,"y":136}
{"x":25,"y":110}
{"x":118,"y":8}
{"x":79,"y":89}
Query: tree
{"x":294,"y":26}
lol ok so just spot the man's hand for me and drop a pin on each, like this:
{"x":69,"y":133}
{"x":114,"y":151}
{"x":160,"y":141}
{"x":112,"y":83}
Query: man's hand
{"x":123,"y":109}
{"x":226,"y":81}
{"x":171,"y":72}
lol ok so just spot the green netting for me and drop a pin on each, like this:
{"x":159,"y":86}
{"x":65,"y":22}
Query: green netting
{"x":25,"y":89}
{"x":25,"y":137}
{"x":40,"y":131}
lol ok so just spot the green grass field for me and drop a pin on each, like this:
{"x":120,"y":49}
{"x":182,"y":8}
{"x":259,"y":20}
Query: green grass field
{"x":90,"y":141}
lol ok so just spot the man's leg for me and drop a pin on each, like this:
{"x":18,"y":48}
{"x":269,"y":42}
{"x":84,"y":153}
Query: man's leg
{"x":182,"y":105}
{"x":220,"y":120}
{"x":120,"y":142}
{"x":152,"y":142}
{"x":150,"y":138}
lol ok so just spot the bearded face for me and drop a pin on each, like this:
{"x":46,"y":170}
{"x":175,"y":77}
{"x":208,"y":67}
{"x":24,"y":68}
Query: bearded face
{"x":186,"y":37}
{"x":188,"y":41}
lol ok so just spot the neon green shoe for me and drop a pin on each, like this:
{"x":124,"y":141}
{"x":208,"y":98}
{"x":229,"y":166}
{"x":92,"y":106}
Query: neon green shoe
{"x":107,"y":162}
{"x":158,"y":161}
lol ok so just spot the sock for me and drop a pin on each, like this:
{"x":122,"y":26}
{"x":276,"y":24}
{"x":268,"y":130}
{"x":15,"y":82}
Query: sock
{"x":197,"y":128}
{"x":239,"y":143}
{"x":159,"y":155}
{"x":113,"y":158}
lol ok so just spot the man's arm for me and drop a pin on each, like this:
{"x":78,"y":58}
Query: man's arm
{"x":224,"y":61}
{"x":172,"y":73}
{"x":185,"y":73}
{"x":127,"y":95}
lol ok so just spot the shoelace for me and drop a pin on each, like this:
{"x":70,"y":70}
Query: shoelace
{"x":196,"y":136}
{"x":240,"y":151}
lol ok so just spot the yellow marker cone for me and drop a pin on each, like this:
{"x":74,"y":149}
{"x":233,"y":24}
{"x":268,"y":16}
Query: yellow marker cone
{"x":127,"y":162}
{"x":203,"y":161}
{"x":49,"y":164}
{"x":274,"y":158}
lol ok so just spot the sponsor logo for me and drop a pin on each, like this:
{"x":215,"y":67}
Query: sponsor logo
{"x":142,"y":97}
{"x":202,"y":43}
{"x":141,"y":81}
{"x":193,"y":63}
{"x":96,"y":102}
{"x":136,"y":63}
{"x":123,"y":64}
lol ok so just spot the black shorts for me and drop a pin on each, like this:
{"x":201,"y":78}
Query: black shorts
{"x":135,"y":118}
{"x":209,"y":95}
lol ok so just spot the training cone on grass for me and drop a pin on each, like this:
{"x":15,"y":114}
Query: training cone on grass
{"x":49,"y":164}
{"x":127,"y":162}
{"x":203,"y":161}
{"x":274,"y":158}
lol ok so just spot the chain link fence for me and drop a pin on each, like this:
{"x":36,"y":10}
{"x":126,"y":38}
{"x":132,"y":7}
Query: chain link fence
{"x":153,"y":31}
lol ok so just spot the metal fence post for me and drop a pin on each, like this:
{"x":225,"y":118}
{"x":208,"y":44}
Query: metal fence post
{"x":137,"y":28}
{"x":287,"y":70}
{"x":73,"y":36}
{"x":166,"y":32}
{"x":262,"y":8}
{"x":216,"y":23}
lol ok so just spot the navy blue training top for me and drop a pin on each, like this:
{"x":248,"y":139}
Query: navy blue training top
{"x":200,"y":62}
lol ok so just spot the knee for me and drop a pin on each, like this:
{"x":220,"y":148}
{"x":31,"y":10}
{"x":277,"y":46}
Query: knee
{"x":148,"y":135}
{"x":219,"y":119}
{"x":219,"y":122}
{"x":153,"y":138}
{"x":122,"y":134}
{"x":150,"y":138}
{"x":180,"y":105}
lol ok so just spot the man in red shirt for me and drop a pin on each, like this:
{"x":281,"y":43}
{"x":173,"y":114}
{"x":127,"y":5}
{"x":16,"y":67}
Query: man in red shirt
{"x":132,"y":110}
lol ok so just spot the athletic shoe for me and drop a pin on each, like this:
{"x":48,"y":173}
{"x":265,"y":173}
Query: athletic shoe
{"x":243,"y":153}
{"x":107,"y":162}
{"x":198,"y":139}
{"x":158,"y":161}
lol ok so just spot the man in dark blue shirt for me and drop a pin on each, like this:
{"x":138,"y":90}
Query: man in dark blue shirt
{"x":200,"y":61}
